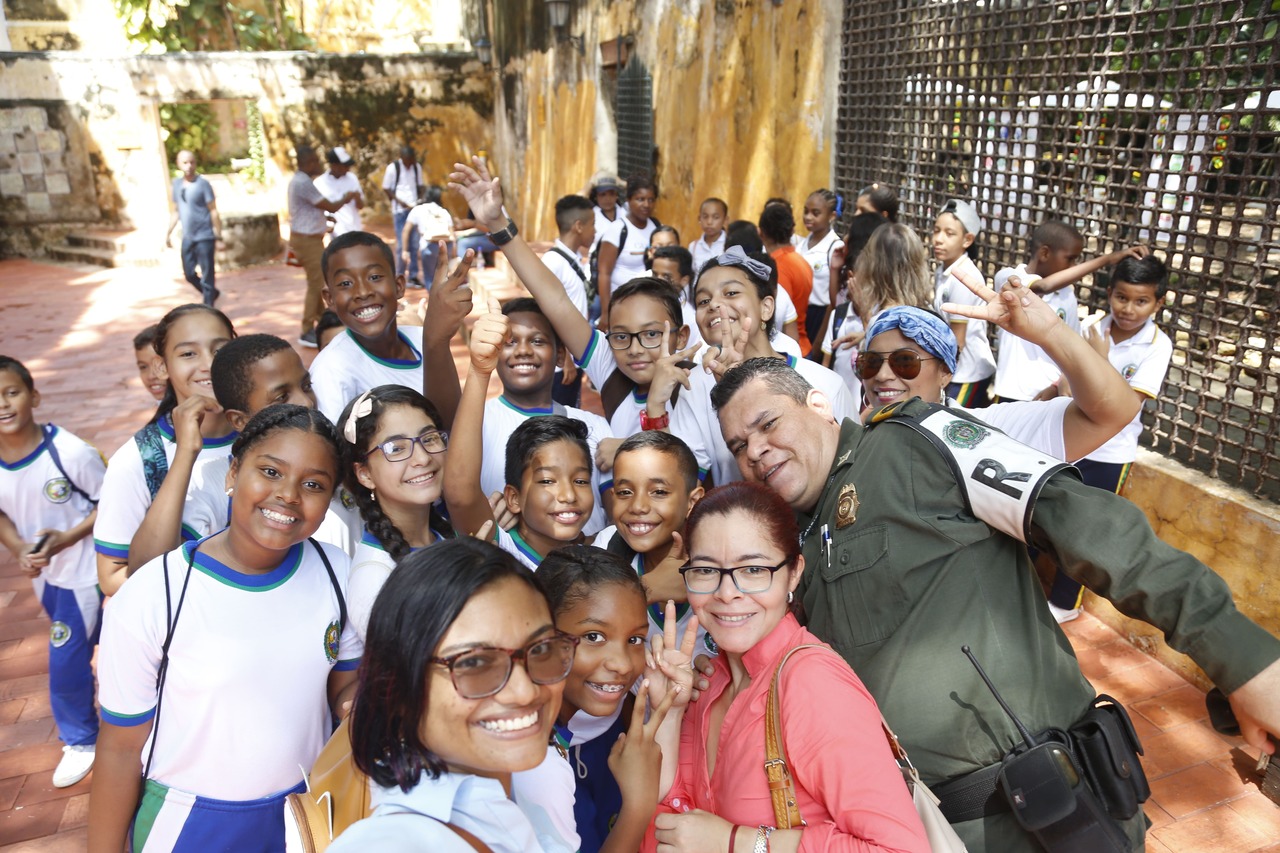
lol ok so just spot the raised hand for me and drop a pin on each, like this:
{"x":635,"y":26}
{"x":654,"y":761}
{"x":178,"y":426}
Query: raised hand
{"x":487,"y":338}
{"x":1016,"y":309}
{"x":636,"y":759}
{"x":482,"y":191}
{"x":670,"y":370}
{"x":733,"y":345}
{"x":669,"y":661}
{"x":187,"y":418}
{"x":451,"y":299}
{"x":502,"y":514}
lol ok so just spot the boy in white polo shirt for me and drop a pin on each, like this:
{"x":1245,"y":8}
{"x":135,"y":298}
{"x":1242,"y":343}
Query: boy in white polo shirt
{"x":576,"y":221}
{"x":49,"y":484}
{"x":1023,"y":369}
{"x":1130,"y":340}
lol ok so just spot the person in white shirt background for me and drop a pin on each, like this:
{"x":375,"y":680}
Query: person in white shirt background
{"x":337,"y":183}
{"x":402,"y":182}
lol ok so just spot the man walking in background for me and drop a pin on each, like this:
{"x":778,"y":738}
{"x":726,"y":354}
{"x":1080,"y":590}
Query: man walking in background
{"x":195,"y":208}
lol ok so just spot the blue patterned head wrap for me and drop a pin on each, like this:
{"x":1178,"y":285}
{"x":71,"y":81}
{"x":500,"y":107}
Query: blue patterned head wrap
{"x":925,"y":328}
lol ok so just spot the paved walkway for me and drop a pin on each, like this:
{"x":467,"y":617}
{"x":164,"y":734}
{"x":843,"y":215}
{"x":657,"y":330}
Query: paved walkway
{"x":72,"y":327}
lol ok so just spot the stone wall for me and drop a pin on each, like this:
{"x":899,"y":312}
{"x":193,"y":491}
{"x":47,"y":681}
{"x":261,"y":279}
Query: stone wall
{"x":107,"y":112}
{"x":1237,"y":536}
{"x":744,"y":101}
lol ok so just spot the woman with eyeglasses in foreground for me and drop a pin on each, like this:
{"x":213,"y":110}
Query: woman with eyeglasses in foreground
{"x":911,"y":352}
{"x":744,"y":563}
{"x":459,"y":690}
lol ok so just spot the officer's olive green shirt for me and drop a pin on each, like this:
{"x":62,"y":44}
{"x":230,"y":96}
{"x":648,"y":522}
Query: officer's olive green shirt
{"x":910,"y":577}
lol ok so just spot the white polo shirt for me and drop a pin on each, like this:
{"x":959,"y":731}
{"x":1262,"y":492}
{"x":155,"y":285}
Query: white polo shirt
{"x":1143,"y":361}
{"x":819,"y":257}
{"x":976,"y":362}
{"x":1022,"y":368}
{"x":703,"y":251}
{"x":567,"y":271}
{"x":344,"y":370}
{"x":246,"y":706}
{"x":35,"y":495}
{"x":501,"y":417}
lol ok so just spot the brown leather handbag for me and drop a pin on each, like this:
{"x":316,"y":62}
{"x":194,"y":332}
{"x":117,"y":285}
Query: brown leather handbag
{"x":782,"y":789}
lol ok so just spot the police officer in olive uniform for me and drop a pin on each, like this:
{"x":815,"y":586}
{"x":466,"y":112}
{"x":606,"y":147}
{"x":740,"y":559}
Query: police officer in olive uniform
{"x":900,"y":573}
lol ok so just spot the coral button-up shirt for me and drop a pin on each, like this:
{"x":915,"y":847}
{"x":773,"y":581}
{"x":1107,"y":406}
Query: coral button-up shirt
{"x":849,"y":789}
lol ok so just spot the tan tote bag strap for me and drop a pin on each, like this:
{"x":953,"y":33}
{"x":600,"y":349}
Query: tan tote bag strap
{"x":782,"y":789}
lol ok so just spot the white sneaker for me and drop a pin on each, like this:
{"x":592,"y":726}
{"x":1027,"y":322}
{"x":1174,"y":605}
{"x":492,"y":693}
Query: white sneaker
{"x":1062,"y":615}
{"x":76,"y":763}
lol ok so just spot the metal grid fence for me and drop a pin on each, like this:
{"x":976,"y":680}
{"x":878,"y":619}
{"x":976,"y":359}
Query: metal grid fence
{"x":1152,"y":122}
{"x":634,"y":114}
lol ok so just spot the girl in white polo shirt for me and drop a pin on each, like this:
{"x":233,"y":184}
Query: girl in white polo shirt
{"x":223,"y":662}
{"x":393,"y":453}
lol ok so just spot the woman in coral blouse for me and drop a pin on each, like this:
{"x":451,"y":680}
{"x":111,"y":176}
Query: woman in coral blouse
{"x":744,"y":563}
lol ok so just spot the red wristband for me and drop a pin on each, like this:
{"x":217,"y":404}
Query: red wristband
{"x":661,"y":422}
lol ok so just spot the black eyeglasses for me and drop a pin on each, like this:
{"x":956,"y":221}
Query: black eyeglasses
{"x":401,"y":448}
{"x":905,"y":363}
{"x":748,"y":579}
{"x":649,"y":339}
{"x":481,"y":672}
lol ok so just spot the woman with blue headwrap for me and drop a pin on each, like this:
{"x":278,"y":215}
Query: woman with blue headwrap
{"x":911,"y":352}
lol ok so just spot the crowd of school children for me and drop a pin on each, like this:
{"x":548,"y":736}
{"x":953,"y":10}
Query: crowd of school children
{"x":283,"y":548}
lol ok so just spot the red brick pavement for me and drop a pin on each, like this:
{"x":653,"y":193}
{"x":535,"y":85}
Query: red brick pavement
{"x":72,"y":326}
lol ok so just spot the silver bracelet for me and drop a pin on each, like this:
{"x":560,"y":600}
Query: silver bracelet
{"x":762,"y":839}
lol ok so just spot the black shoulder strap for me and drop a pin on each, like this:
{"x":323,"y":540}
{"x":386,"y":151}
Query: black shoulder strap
{"x":622,"y":237}
{"x":337,"y":588}
{"x":573,"y":262}
{"x":171,"y":624}
{"x":396,"y":185}
{"x":48,"y":432}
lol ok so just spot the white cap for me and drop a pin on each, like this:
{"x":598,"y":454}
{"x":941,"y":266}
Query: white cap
{"x":965,"y":213}
{"x":339,"y":155}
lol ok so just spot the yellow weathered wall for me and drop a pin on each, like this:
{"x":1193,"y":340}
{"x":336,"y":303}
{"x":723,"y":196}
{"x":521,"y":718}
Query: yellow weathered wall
{"x":743,"y":106}
{"x":1236,"y":536}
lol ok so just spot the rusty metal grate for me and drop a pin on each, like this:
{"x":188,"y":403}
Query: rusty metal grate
{"x":1155,"y":121}
{"x":634,"y":114}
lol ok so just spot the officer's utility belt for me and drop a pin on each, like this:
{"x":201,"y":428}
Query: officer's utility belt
{"x":1000,"y":477}
{"x":1101,"y":751}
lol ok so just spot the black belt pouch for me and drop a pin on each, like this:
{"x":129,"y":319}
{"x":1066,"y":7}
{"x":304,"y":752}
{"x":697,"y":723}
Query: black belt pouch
{"x":1108,"y":750}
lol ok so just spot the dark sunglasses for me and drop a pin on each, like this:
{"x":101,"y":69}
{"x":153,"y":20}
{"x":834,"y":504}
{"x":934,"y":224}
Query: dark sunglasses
{"x":905,"y":363}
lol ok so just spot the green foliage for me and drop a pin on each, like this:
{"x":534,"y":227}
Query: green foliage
{"x":190,"y":127}
{"x":257,"y":145}
{"x":179,"y":25}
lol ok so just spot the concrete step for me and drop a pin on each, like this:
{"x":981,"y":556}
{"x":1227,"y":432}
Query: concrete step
{"x":90,"y":255}
{"x":98,"y":256}
{"x":111,"y":240}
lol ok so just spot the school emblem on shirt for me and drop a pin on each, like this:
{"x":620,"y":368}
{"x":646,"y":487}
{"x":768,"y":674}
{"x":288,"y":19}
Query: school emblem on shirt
{"x":348,"y":499}
{"x":964,"y":435}
{"x":846,"y":506}
{"x":58,"y":490}
{"x":1129,"y":370}
{"x":1062,"y":314}
{"x":331,"y":643}
{"x":710,"y":643}
{"x":59,"y":633}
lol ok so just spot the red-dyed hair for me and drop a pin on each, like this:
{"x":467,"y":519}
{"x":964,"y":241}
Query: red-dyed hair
{"x":774,"y":516}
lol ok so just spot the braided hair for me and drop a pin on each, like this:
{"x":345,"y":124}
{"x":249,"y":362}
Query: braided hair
{"x":376,"y":520}
{"x":284,"y":416}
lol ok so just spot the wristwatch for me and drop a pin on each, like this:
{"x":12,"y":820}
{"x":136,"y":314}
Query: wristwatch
{"x":503,"y":237}
{"x":762,"y":839}
{"x":661,"y":422}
